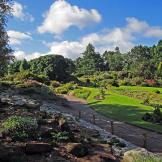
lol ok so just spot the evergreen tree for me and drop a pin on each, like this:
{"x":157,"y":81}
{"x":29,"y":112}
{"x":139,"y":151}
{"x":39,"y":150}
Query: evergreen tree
{"x":5,"y":50}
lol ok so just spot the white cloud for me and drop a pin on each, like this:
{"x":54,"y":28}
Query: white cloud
{"x":16,"y":37}
{"x":20,"y":55}
{"x":142,"y":27}
{"x":108,"y":39}
{"x":66,"y":48}
{"x":18,"y":11}
{"x":63,"y":15}
{"x":154,"y":32}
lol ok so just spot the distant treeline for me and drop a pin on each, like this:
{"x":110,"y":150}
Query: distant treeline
{"x":140,"y":61}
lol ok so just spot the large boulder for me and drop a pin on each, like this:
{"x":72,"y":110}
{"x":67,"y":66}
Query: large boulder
{"x":77,"y":149}
{"x":37,"y":148}
{"x":140,"y":154}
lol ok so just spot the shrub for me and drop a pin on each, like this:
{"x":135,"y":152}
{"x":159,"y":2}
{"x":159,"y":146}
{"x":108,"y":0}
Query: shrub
{"x":65,"y":88}
{"x":82,"y":93}
{"x":54,"y":84}
{"x":60,"y":136}
{"x":115,"y":83}
{"x":19,"y":128}
{"x":151,"y":83}
{"x":157,"y":91}
{"x":146,"y":101}
{"x":146,"y":158}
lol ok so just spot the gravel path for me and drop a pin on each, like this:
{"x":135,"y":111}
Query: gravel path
{"x":128,"y":132}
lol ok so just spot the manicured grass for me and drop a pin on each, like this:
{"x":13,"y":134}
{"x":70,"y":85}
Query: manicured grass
{"x":122,"y":108}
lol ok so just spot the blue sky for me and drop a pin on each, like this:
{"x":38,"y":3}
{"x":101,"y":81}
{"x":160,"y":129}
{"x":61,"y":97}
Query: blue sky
{"x":66,"y":26}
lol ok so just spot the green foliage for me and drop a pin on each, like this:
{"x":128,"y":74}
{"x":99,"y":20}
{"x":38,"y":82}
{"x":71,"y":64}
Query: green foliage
{"x":117,"y":142}
{"x":114,"y":60}
{"x":60,"y":136}
{"x":65,"y":88}
{"x":20,"y":128}
{"x":24,"y":65}
{"x":25,"y":75}
{"x":56,"y":67}
{"x":90,"y":61}
{"x":5,"y":50}
{"x":54,"y":84}
{"x":146,"y":158}
{"x":81,"y":93}
{"x":14,"y":67}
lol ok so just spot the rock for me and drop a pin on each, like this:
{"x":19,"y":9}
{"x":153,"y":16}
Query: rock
{"x":140,"y":154}
{"x":45,"y":131}
{"x":77,"y":149}
{"x":37,"y":148}
{"x":64,"y":125}
{"x":92,"y":133}
{"x":32,"y":104}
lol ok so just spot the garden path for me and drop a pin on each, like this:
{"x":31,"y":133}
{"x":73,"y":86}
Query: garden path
{"x":126,"y":131}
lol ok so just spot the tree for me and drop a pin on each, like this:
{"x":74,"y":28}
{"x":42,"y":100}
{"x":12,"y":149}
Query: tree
{"x":5,"y":50}
{"x":114,"y":60}
{"x":24,"y":65}
{"x":90,"y":62}
{"x":160,"y":69}
{"x":56,"y":67}
{"x":14,"y":67}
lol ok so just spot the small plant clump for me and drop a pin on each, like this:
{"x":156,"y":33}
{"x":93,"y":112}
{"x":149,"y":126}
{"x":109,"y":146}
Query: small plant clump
{"x":20,"y":128}
{"x":60,"y":136}
{"x":117,"y":142}
{"x":155,"y":117}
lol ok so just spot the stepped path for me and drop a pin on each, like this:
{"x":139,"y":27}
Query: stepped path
{"x":128,"y":132}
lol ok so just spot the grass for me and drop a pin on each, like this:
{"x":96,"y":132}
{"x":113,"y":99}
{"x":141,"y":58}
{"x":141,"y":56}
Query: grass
{"x":123,"y":108}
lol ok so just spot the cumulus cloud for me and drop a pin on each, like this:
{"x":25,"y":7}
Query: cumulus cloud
{"x":66,"y":48}
{"x":108,"y":39}
{"x":20,"y":55}
{"x":142,"y":27}
{"x":16,"y":37}
{"x":123,"y":37}
{"x":63,"y":15}
{"x":18,"y":11}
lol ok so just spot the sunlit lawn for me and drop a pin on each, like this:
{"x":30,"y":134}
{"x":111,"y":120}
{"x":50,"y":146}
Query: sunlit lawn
{"x":123,"y":108}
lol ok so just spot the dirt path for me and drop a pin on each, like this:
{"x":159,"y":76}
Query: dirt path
{"x":128,"y":132}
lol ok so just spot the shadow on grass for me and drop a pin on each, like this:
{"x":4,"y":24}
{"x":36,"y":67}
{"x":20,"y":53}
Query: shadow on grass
{"x":120,"y":112}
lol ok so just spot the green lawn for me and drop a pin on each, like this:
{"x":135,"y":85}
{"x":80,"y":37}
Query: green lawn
{"x":122,"y":107}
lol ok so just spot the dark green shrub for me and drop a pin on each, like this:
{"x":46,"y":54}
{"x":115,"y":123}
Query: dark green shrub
{"x":157,"y":91}
{"x":20,"y":128}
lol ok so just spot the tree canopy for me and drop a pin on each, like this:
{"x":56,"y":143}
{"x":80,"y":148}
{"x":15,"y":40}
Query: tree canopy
{"x":5,"y":50}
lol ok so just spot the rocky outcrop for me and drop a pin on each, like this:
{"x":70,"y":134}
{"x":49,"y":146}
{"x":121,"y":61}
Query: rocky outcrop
{"x":140,"y":154}
{"x":37,"y":148}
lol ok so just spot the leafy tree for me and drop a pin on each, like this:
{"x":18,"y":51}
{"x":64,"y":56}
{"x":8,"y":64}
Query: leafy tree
{"x":160,"y":69}
{"x":5,"y":50}
{"x":56,"y":67}
{"x":90,"y":62}
{"x":14,"y":67}
{"x":114,"y":60}
{"x":24,"y":65}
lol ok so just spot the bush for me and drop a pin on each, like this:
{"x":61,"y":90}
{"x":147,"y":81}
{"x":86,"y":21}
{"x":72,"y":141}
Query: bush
{"x":60,"y":136}
{"x":26,"y":75}
{"x":19,"y":128}
{"x":54,"y":84}
{"x":157,"y":91}
{"x":81,"y":93}
{"x":65,"y":88}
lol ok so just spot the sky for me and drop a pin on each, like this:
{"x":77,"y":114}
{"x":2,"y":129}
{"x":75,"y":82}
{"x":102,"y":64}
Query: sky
{"x":65,"y":27}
